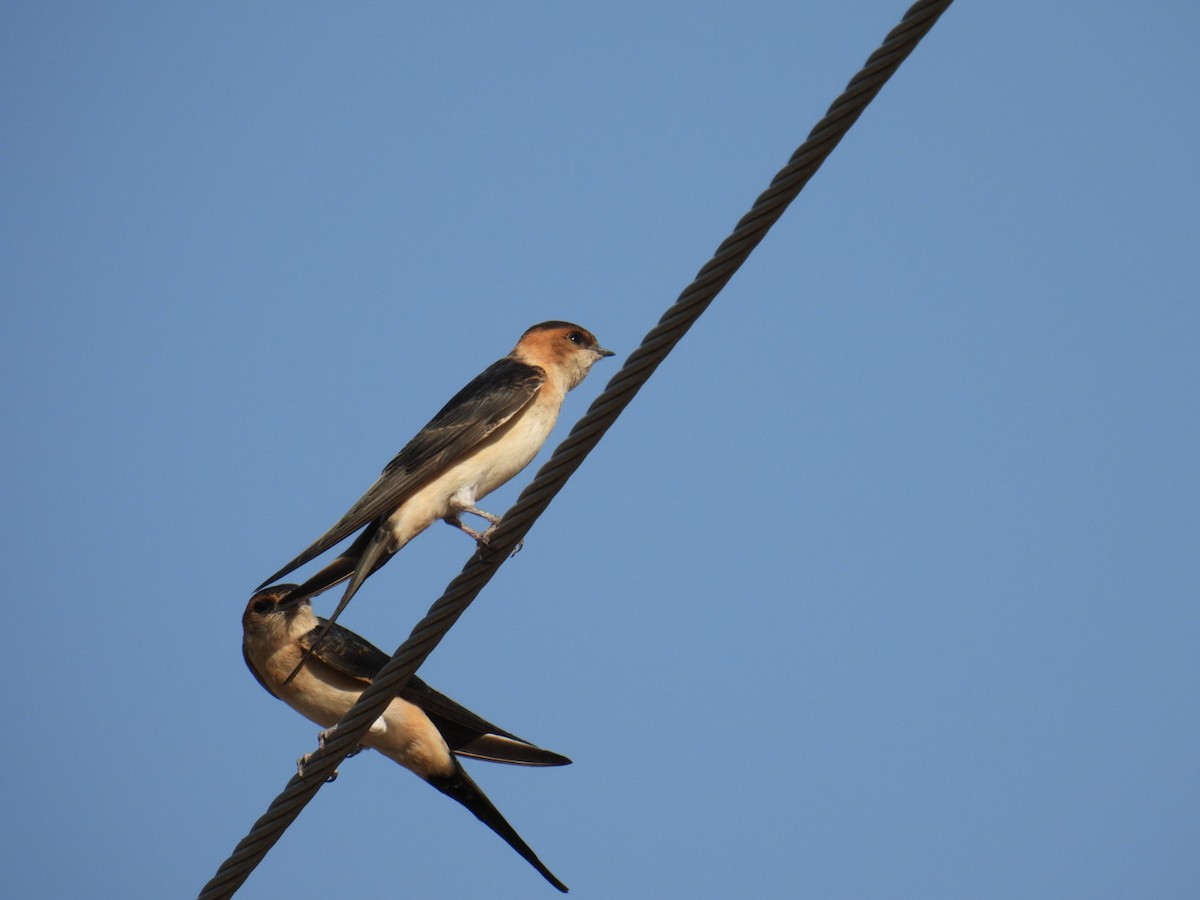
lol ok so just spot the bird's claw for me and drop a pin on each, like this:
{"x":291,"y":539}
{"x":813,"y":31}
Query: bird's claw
{"x":466,"y":529}
{"x":483,"y":543}
{"x":302,"y":764}
{"x":324,"y":735}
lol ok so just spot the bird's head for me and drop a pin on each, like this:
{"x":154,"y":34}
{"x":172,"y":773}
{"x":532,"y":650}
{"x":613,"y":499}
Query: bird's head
{"x":563,"y":349}
{"x":272,"y":608}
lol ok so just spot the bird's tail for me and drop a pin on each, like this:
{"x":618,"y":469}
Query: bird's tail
{"x":462,"y":788}
{"x":361,"y":559}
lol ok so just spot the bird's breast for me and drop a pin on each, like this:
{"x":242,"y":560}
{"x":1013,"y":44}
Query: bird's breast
{"x":510,"y":448}
{"x":492,"y":462}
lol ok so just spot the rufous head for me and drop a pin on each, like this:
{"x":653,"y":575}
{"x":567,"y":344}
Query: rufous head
{"x":563,"y":349}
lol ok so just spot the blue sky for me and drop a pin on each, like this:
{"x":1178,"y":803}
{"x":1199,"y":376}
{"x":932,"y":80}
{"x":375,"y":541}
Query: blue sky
{"x":886,"y":585}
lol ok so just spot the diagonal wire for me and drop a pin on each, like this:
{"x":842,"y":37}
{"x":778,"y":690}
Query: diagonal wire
{"x":696,"y":297}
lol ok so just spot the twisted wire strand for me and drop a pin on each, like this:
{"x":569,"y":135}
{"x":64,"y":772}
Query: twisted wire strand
{"x":568,"y":456}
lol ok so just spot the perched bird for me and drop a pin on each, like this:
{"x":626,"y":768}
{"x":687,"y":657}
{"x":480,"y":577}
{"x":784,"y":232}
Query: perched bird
{"x":486,"y":434}
{"x":421,"y":729}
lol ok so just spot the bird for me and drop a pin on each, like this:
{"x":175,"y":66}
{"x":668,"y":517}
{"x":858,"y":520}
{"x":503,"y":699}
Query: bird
{"x":487,"y":433}
{"x":421,"y":729}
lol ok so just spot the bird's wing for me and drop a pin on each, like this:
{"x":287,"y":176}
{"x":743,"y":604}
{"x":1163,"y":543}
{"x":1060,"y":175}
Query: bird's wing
{"x":470,"y":735}
{"x":466,"y":733}
{"x":345,"y":651}
{"x":497,"y":394}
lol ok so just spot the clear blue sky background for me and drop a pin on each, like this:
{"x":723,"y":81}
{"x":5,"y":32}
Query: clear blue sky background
{"x":886,"y":585}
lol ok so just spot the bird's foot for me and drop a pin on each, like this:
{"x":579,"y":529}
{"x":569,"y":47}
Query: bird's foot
{"x":471,"y":532}
{"x":302,"y":765}
{"x":484,"y":543}
{"x":490,"y":517}
{"x":484,"y":540}
{"x":324,"y":735}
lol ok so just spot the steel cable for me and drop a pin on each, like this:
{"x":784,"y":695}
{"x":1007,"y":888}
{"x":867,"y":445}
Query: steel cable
{"x":568,"y":456}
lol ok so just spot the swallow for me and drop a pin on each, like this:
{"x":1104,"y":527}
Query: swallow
{"x":486,"y":434}
{"x":421,"y":729}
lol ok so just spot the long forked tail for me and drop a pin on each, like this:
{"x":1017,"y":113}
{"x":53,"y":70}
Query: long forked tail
{"x":374,"y":555}
{"x":462,"y":788}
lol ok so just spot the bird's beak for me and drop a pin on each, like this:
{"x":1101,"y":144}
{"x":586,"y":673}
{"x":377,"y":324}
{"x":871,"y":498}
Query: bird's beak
{"x":601,"y":352}
{"x":290,"y":601}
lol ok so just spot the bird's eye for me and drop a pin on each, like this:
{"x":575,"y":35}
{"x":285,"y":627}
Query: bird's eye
{"x":262,"y":607}
{"x":575,"y":337}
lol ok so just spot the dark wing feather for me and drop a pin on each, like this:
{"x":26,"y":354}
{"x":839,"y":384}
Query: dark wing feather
{"x":465,"y":733}
{"x":468,"y":734}
{"x":346,"y":652}
{"x":492,"y":398}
